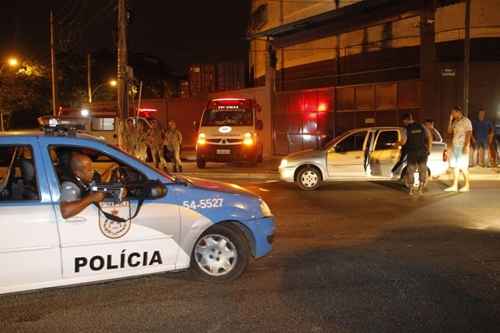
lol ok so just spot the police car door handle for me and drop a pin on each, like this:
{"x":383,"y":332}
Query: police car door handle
{"x":76,"y":219}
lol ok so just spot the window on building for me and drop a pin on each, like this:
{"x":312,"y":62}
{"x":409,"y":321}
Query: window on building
{"x":259,"y":17}
{"x":103,"y":124}
{"x":17,"y":174}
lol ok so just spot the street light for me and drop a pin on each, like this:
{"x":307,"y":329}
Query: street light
{"x":12,"y":62}
{"x":112,"y":83}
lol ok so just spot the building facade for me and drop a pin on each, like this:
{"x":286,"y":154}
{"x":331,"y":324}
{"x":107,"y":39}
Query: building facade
{"x":339,"y":64}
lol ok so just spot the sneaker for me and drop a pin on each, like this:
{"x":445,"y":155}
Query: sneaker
{"x":451,"y":189}
{"x":464,"y":189}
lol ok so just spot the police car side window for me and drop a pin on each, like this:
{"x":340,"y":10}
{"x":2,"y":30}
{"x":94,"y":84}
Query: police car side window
{"x":61,"y":156}
{"x":387,"y":140}
{"x":18,"y":180}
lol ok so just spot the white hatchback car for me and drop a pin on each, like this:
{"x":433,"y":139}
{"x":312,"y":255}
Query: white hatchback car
{"x":363,"y":154}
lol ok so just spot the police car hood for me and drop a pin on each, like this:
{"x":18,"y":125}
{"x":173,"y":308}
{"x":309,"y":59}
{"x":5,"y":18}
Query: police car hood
{"x":216,"y":186}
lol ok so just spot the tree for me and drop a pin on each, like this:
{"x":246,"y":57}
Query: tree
{"x":24,"y":94}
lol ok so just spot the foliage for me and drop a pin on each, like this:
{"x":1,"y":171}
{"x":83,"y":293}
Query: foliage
{"x":24,"y":93}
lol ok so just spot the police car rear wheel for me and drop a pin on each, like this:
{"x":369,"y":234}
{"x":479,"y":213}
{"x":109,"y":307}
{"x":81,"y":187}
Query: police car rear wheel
{"x":220,"y":254}
{"x":308,"y":178}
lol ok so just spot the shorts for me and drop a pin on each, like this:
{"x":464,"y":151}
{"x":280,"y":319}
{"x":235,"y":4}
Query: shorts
{"x":459,"y":159}
{"x":417,"y":157}
{"x":482,"y":144}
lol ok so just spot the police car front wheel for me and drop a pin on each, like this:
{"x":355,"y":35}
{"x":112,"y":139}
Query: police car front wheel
{"x":220,"y":254}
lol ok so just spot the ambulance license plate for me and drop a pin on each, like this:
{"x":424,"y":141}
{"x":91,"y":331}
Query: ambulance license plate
{"x":223,"y":151}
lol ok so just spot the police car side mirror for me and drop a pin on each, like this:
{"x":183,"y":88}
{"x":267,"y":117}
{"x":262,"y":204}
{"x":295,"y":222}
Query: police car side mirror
{"x":259,"y":125}
{"x":156,"y":190}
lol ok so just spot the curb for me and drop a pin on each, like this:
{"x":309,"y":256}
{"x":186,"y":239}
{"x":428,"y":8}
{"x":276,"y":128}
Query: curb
{"x":276,"y":176}
{"x":228,"y":175}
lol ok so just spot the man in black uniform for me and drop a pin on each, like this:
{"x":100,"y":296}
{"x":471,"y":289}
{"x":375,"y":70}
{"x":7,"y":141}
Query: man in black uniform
{"x":418,"y":143}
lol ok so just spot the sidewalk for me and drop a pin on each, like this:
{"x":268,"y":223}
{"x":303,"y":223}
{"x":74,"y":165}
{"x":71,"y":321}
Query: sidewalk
{"x":268,"y":170}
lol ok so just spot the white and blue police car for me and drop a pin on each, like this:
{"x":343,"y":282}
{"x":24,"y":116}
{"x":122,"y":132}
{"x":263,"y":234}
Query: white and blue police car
{"x":164,"y":223}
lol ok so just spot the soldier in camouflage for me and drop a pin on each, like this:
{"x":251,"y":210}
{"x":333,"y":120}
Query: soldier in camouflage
{"x":173,"y":141}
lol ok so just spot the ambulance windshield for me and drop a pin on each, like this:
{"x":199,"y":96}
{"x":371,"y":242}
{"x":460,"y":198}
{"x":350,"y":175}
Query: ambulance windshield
{"x":227,"y":116}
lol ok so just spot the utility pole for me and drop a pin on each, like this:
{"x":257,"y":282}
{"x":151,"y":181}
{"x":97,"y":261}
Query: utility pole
{"x":122,"y":68}
{"x":89,"y":77}
{"x":53,"y":65}
{"x":467,"y":58}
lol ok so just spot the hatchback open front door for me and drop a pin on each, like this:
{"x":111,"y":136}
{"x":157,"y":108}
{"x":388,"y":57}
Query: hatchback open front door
{"x":385,"y":153}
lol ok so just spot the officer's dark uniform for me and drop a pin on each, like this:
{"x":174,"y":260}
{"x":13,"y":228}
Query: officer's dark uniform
{"x":417,"y":152}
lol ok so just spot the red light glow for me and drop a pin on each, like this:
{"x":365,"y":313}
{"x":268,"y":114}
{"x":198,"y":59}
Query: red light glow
{"x":147,"y":110}
{"x":322,"y":107}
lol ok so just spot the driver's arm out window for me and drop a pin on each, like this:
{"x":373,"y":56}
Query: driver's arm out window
{"x":101,"y":163}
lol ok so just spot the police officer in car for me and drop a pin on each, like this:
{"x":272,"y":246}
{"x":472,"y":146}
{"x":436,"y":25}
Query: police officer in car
{"x":75,"y":190}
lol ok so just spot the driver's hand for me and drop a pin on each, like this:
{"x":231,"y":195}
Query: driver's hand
{"x":96,"y":197}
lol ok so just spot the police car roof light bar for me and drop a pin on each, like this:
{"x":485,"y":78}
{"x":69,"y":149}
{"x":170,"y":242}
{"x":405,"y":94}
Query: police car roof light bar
{"x":58,"y":127}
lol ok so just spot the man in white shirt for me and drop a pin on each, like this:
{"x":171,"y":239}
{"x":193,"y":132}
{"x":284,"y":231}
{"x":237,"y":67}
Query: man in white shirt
{"x":460,"y":130}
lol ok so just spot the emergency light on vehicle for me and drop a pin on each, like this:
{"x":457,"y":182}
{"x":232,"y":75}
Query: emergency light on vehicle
{"x":248,"y":139}
{"x":202,"y":139}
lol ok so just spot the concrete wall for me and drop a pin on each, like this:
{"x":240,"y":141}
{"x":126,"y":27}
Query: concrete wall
{"x":485,"y":18}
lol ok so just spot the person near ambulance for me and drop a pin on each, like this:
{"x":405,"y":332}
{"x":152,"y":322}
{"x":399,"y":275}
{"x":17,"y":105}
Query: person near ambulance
{"x":418,"y":144}
{"x":156,"y":144}
{"x":141,"y":141}
{"x":130,"y":137}
{"x":173,"y":142}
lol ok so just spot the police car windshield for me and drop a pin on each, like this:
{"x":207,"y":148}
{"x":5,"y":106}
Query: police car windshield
{"x":228,"y":116}
{"x":161,"y":172}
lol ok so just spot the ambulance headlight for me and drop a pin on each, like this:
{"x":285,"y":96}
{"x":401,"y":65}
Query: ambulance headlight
{"x":248,"y":139}
{"x":202,"y":139}
{"x":265,"y":210}
{"x":85,"y":112}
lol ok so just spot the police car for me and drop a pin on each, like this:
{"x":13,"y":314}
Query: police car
{"x":163,"y":224}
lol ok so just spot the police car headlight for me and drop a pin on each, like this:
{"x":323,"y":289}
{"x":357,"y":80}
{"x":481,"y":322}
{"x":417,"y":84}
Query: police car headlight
{"x":284,"y":163}
{"x":264,"y":209}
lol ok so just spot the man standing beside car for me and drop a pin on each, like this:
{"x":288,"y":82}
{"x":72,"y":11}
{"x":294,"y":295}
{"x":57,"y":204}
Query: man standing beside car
{"x":460,"y":130}
{"x":418,"y":143}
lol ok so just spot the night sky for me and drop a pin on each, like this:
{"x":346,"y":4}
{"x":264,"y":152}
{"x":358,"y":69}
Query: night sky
{"x":179,"y":32}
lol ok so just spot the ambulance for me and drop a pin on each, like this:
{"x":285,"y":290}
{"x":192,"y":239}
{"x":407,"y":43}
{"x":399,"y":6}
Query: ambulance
{"x":230,"y":130}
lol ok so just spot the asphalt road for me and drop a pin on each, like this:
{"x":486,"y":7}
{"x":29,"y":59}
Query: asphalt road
{"x":350,"y":257}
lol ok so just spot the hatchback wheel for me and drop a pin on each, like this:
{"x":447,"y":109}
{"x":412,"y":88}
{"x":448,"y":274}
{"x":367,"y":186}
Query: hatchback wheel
{"x":309,"y":178}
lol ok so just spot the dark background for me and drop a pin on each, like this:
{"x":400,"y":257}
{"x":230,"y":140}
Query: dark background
{"x":178,"y":32}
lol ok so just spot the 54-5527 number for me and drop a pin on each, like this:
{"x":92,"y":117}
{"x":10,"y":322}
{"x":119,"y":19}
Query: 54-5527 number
{"x":203,"y":203}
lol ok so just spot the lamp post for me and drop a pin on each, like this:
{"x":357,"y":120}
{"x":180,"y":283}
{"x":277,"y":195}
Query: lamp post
{"x":112,"y":83}
{"x":11,"y":62}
